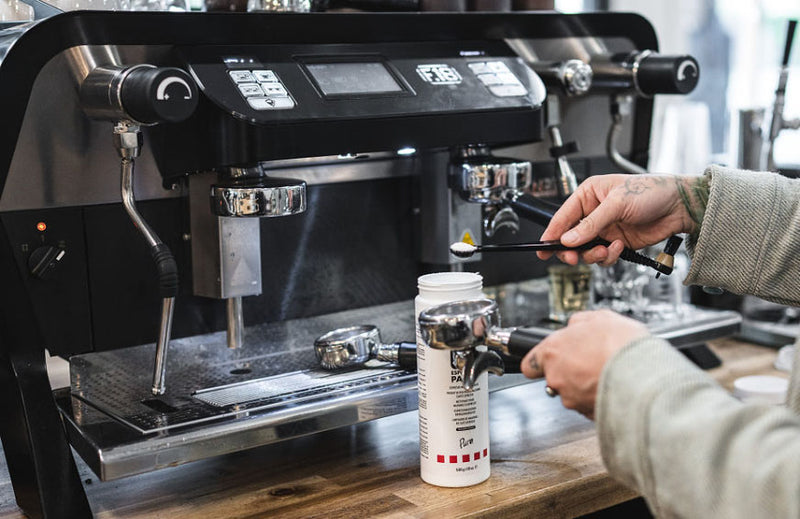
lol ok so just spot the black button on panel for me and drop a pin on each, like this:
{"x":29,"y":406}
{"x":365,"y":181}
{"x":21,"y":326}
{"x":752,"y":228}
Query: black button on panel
{"x":44,"y":260}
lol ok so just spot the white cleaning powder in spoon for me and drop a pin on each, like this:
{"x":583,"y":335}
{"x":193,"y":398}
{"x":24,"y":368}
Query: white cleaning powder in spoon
{"x":462,"y":249}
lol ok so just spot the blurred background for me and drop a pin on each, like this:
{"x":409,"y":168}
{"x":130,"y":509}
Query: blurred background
{"x":739,"y":46}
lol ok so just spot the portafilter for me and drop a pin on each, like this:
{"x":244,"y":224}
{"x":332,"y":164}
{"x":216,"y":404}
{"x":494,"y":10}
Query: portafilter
{"x":465,"y":327}
{"x":356,"y":345}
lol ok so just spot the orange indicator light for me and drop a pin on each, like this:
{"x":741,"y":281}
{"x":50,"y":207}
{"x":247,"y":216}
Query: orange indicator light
{"x":41,"y":226}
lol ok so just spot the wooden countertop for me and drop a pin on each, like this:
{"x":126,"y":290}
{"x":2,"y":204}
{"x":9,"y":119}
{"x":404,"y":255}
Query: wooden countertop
{"x":545,"y":463}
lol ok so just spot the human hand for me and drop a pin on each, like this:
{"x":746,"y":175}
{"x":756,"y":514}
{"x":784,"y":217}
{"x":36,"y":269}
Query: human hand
{"x":571,"y":359}
{"x":629,"y":211}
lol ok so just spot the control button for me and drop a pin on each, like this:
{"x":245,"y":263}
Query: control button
{"x":265,"y":76}
{"x":242,"y":76}
{"x":508,"y":90}
{"x":274,"y":90}
{"x":507,"y":78}
{"x":497,"y":66}
{"x":44,"y":260}
{"x":250,"y":89}
{"x":270,"y":103}
{"x":479,"y":68}
{"x":490,"y":79}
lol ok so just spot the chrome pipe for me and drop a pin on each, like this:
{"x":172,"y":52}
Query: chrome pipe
{"x":567,"y":182}
{"x":165,"y":330}
{"x":129,"y":202}
{"x":235,"y":322}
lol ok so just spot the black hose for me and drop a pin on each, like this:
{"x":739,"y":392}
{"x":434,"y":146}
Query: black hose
{"x":167,"y":270}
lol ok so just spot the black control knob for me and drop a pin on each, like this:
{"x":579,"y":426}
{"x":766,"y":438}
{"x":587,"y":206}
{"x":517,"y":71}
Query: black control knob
{"x":657,"y":74}
{"x":154,"y":95}
{"x":44,"y":260}
{"x":645,"y":72}
{"x":142,"y":94}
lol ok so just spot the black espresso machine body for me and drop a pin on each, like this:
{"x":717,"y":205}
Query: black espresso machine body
{"x":362,"y":107}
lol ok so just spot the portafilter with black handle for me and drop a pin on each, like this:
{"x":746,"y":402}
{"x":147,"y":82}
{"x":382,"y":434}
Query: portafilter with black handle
{"x":464,"y":326}
{"x":355,"y":345}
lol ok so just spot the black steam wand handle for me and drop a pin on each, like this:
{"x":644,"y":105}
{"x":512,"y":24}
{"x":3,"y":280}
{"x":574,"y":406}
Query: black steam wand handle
{"x":541,"y":212}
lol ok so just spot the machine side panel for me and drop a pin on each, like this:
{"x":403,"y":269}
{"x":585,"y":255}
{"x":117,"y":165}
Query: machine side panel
{"x":51,"y":242}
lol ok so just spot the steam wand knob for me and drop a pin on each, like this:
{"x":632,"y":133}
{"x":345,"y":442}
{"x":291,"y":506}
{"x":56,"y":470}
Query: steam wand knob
{"x":143,"y":94}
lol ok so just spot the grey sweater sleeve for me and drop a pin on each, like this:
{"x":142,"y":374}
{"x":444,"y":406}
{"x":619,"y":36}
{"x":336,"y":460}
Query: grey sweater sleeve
{"x":666,"y":428}
{"x":749,"y":241}
{"x":692,"y":450}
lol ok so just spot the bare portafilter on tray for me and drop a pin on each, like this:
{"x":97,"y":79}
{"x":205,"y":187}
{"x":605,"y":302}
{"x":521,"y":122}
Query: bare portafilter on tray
{"x":355,"y":345}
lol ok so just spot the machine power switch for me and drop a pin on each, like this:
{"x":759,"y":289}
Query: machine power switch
{"x":44,"y":260}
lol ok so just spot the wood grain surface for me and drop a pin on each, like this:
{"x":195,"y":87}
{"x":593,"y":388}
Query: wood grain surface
{"x":545,"y":463}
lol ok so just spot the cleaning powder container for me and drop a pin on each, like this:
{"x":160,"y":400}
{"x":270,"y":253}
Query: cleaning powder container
{"x":453,"y":422}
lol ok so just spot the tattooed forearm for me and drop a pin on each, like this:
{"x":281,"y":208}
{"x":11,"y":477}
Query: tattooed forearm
{"x":694,"y":194}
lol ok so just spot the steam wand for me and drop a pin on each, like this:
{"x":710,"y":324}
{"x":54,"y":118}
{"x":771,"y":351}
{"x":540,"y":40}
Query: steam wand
{"x":128,"y":141}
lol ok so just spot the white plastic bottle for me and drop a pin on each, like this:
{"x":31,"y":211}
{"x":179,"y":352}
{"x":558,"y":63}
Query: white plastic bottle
{"x":453,"y":422}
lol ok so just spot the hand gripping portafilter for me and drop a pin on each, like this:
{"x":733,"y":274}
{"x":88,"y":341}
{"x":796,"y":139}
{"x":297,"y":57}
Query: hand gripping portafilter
{"x":471,"y":329}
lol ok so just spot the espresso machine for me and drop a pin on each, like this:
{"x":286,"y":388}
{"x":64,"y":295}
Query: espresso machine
{"x":188,"y":199}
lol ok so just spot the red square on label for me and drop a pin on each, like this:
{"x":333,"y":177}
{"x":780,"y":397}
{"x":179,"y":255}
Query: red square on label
{"x":465,"y":458}
{"x":453,"y":459}
{"x":485,"y":452}
{"x":477,"y":455}
{"x":440,"y":458}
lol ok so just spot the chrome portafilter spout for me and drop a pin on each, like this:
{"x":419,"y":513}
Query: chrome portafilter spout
{"x":355,"y":345}
{"x":471,"y":329}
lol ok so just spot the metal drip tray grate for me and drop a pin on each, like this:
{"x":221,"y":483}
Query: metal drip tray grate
{"x":206,"y":381}
{"x":297,"y":387}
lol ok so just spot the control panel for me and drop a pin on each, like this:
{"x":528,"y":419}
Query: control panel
{"x":272,"y":83}
{"x":262,"y":89}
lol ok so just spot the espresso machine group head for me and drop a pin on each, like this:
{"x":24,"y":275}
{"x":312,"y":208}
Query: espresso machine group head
{"x":226,"y":235}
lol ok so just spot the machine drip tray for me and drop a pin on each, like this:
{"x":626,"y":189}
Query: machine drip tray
{"x":220,"y":400}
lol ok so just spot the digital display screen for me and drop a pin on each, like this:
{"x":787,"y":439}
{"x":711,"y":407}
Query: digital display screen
{"x":353,"y":78}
